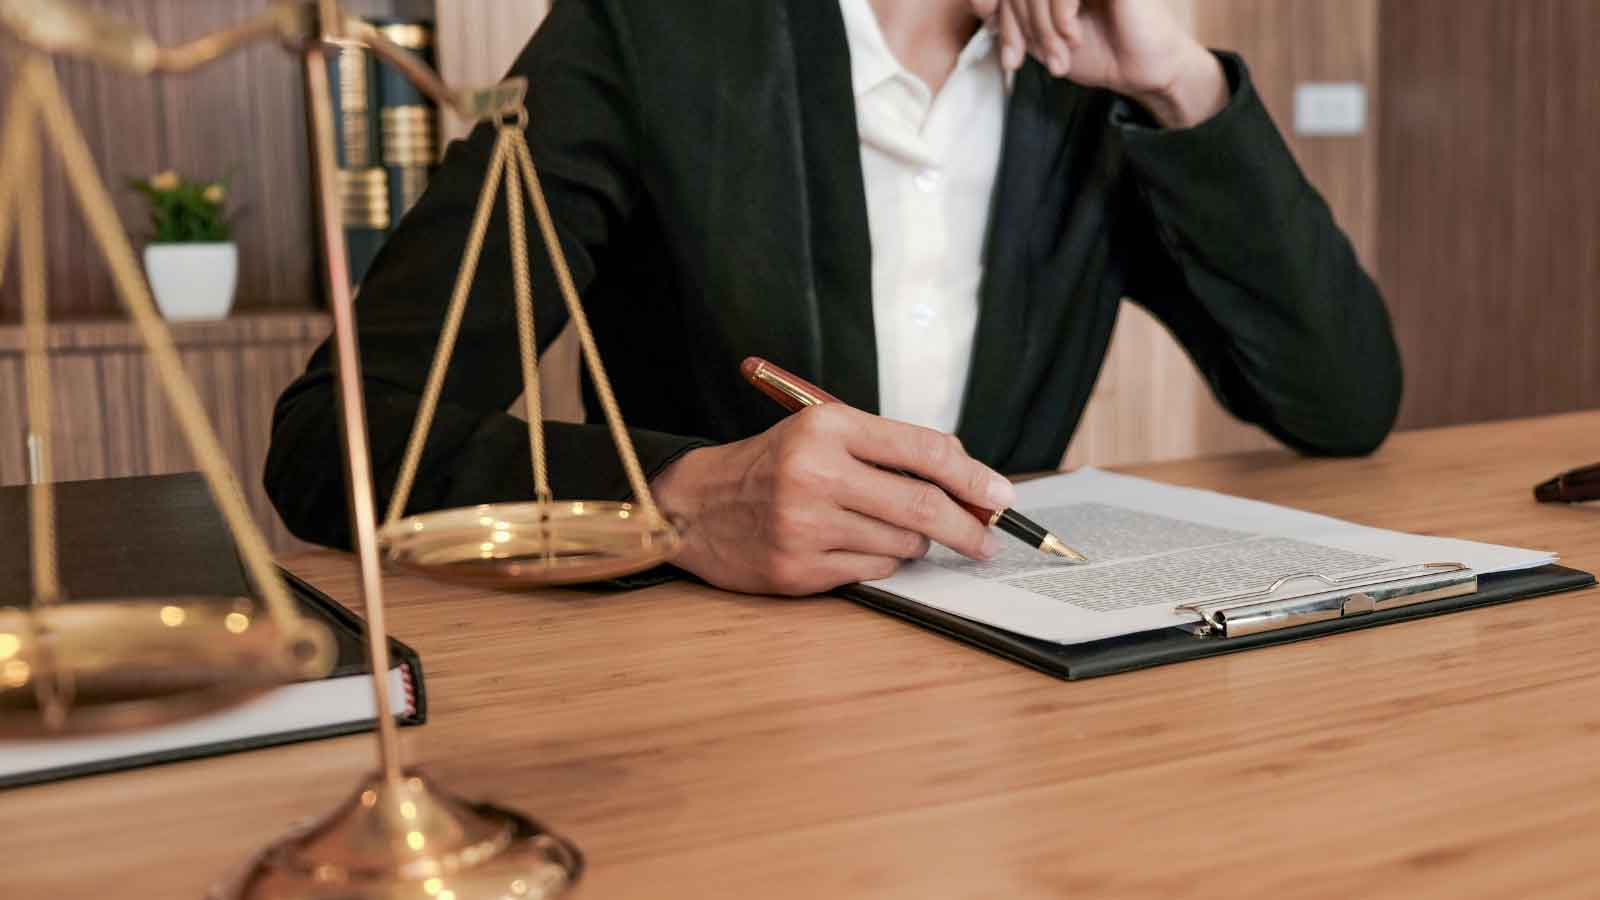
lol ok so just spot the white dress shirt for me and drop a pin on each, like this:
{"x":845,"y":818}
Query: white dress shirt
{"x":929,"y":164}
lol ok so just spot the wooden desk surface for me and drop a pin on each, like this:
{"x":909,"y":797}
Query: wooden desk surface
{"x":698,"y":744}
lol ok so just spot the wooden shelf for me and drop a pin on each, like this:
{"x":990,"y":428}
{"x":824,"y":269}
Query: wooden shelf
{"x":111,"y":418}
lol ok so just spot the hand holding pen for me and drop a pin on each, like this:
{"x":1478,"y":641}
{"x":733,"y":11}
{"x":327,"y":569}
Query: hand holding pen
{"x":812,"y":503}
{"x":795,"y":394}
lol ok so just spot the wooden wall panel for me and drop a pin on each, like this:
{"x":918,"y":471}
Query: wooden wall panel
{"x":1491,"y":184}
{"x":112,"y":418}
{"x":479,"y":39}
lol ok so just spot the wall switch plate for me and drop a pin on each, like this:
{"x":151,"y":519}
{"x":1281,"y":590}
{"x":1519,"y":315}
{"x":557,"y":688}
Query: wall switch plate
{"x":1330,"y":109}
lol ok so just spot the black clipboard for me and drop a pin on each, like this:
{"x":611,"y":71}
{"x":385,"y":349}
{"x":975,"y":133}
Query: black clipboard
{"x":1172,"y":645}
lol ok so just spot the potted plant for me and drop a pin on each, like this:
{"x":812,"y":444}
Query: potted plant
{"x":192,"y":263}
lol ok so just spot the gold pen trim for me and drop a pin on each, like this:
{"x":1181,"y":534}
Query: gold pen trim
{"x":1053,"y":545}
{"x":765,"y":374}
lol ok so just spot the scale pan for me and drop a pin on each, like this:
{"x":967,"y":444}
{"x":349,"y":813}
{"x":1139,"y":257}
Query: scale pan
{"x":127,"y":664}
{"x":528,"y":545}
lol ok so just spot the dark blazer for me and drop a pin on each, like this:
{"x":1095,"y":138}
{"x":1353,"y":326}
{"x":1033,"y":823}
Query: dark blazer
{"x":702,"y":161}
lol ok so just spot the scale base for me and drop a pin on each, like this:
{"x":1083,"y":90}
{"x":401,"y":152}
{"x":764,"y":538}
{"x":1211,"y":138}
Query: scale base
{"x":409,"y":840}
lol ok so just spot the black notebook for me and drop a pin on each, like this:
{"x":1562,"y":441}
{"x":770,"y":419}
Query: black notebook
{"x":163,"y":536}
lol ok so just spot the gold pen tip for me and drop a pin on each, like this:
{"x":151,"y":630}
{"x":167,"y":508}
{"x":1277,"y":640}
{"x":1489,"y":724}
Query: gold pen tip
{"x":1053,"y":545}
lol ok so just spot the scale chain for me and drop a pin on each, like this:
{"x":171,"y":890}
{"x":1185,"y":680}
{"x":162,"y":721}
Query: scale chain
{"x":468,"y":270}
{"x":48,"y":104}
{"x":580,"y":321}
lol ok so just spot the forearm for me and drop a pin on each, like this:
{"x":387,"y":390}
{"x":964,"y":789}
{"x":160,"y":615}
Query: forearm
{"x":1198,"y":91}
{"x":471,"y":457}
{"x":1303,"y":341}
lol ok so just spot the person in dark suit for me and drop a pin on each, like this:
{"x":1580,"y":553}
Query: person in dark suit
{"x":934,"y":220}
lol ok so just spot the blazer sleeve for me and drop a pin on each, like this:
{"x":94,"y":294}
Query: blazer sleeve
{"x":1227,"y":243}
{"x":583,"y":134}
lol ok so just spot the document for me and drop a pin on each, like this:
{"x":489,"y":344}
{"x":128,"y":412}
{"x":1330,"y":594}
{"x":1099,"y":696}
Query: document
{"x":1153,"y":547}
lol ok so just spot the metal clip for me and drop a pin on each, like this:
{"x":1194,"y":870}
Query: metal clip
{"x":1251,"y":612}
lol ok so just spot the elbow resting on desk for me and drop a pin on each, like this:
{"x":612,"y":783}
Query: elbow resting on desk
{"x":304,"y":475}
{"x":1349,"y":403}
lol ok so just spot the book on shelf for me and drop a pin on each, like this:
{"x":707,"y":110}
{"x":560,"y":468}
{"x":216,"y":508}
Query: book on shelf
{"x":388,"y":138}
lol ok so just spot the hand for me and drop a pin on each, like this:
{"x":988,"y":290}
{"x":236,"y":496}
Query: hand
{"x":806,"y":506}
{"x":1136,"y":48}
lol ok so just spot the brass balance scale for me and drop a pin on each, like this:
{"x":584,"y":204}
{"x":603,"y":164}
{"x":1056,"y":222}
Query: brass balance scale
{"x":97,"y":665}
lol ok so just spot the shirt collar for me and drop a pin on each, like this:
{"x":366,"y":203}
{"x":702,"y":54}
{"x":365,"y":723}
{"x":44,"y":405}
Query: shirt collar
{"x":872,"y":62}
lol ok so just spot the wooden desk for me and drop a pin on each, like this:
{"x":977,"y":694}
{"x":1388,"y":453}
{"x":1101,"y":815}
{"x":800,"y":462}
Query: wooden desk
{"x":698,"y":744}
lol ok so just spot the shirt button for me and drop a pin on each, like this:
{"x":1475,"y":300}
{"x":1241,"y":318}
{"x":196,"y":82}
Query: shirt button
{"x":928,"y":180}
{"x":923,"y":314}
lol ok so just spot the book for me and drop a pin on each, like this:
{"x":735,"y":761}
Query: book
{"x":167,"y":538}
{"x":1176,"y":573}
{"x":388,"y":138}
{"x":408,"y":120}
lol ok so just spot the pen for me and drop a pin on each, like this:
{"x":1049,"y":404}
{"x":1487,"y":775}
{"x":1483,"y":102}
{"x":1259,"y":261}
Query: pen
{"x":1577,"y":486}
{"x":795,"y":393}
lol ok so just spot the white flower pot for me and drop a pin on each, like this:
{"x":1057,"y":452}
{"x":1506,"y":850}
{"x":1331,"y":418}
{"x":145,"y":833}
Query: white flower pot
{"x":193,"y":281}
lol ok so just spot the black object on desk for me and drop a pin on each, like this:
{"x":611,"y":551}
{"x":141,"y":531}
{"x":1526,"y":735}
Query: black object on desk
{"x":1577,"y":486}
{"x":162,"y":536}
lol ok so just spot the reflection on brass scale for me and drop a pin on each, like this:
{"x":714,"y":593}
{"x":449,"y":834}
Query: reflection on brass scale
{"x":398,"y":836}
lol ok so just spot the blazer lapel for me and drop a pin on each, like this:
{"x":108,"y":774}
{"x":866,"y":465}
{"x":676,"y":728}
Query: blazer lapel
{"x":1035,"y":128}
{"x":834,"y":206}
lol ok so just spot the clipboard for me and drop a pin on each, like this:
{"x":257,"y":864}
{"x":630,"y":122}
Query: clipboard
{"x":1247,"y":621}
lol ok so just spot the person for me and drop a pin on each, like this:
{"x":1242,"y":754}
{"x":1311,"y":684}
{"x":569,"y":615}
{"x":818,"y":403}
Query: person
{"x":931,"y":208}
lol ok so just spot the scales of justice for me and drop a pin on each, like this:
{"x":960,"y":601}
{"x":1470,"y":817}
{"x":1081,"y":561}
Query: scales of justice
{"x":96,"y":665}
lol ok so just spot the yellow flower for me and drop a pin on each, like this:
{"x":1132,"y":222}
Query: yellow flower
{"x":214,"y":194}
{"x":164,"y":181}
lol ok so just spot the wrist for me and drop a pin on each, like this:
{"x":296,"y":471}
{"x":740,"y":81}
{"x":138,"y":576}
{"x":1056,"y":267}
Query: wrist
{"x":1197,"y":90}
{"x":678,"y":488}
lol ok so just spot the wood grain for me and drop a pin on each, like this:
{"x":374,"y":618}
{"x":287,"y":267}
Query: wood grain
{"x":700,"y":744}
{"x":1492,"y":219}
{"x":112,"y":418}
{"x":479,"y":39}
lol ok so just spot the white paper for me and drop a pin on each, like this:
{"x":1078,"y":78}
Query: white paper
{"x":291,"y":708}
{"x":1153,"y":547}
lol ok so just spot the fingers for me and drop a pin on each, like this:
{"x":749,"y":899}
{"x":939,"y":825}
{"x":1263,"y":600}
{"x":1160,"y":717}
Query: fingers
{"x":1049,"y":29}
{"x":1050,"y":44}
{"x":844,"y":567}
{"x":857,"y":533}
{"x":1064,"y":13}
{"x":803,"y":576}
{"x":930,"y":454}
{"x":921,"y":507}
{"x":1022,"y":11}
{"x":1013,"y":45}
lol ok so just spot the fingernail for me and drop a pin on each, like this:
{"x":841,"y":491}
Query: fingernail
{"x":1001,"y":493}
{"x":991,"y":546}
{"x":1058,"y":66}
{"x":1011,"y":58}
